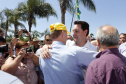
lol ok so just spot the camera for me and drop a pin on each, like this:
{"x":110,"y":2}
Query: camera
{"x":16,"y":36}
{"x":24,"y":31}
{"x":6,"y":55}
{"x":4,"y":48}
{"x":28,"y":49}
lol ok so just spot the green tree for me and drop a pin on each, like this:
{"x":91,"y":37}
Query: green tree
{"x":68,"y":5}
{"x":1,"y":20}
{"x":37,"y":34}
{"x":3,"y":25}
{"x":37,"y":8}
{"x":15,"y":19}
{"x":65,"y":5}
{"x":8,"y":13}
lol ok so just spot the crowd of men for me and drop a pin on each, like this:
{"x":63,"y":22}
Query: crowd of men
{"x":65,"y":59}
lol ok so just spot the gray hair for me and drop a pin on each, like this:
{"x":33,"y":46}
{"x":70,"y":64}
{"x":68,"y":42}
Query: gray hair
{"x":108,"y":38}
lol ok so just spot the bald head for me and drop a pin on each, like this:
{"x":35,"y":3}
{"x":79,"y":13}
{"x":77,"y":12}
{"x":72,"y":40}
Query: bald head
{"x":108,"y":36}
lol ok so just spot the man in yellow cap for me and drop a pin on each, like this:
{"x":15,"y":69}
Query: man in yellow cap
{"x":65,"y":63}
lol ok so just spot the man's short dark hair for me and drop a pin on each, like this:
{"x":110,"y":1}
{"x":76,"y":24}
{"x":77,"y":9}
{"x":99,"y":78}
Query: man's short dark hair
{"x":2,"y":40}
{"x":84,"y":26}
{"x":123,"y":34}
{"x":47,"y":35}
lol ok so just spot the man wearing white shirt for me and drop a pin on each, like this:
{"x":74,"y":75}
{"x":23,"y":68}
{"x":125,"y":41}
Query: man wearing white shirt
{"x":122,"y":49}
{"x":80,"y":32}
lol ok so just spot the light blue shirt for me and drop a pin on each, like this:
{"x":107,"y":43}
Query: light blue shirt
{"x":6,"y":78}
{"x":65,"y":64}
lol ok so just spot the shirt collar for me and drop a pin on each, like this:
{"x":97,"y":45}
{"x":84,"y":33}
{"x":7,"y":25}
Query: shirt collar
{"x":108,"y":51}
{"x":57,"y":43}
{"x":87,"y":44}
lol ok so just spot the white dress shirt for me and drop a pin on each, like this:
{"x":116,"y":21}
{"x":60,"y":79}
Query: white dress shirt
{"x":88,"y":45}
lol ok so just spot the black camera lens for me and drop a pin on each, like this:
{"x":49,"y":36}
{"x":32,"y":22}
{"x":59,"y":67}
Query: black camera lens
{"x":48,"y":39}
{"x":25,"y":31}
{"x":16,"y":36}
{"x":28,"y":49}
{"x":4,"y":48}
{"x":6,"y":55}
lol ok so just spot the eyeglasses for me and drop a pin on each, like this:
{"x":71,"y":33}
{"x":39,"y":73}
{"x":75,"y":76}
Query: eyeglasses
{"x":48,"y":39}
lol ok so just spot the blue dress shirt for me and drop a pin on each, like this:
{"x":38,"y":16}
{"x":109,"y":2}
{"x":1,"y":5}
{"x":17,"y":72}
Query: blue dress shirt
{"x":65,"y":64}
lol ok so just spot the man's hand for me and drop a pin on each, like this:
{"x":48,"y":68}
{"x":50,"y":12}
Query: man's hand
{"x":45,"y":51}
{"x":22,"y":53}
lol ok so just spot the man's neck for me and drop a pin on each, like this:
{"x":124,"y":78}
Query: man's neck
{"x":105,"y":47}
{"x":58,"y":39}
{"x":81,"y":44}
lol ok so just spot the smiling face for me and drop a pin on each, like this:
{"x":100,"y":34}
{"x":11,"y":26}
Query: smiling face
{"x":79,"y":35}
{"x":122,"y":38}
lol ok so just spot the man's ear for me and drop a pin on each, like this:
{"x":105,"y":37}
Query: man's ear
{"x":98,"y":42}
{"x":62,"y":33}
{"x":85,"y":31}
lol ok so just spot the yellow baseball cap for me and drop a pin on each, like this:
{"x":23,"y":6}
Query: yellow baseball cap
{"x":58,"y":26}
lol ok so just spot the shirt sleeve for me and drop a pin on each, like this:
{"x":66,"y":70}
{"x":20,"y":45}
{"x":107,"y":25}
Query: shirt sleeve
{"x":85,"y":56}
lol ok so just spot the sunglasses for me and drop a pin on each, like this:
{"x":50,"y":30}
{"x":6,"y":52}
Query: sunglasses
{"x":48,"y":39}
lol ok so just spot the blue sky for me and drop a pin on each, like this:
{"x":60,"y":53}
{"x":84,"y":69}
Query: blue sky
{"x":108,"y":12}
